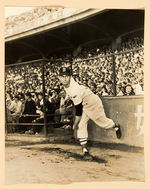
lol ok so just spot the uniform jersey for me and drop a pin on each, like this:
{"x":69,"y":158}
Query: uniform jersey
{"x":77,"y":92}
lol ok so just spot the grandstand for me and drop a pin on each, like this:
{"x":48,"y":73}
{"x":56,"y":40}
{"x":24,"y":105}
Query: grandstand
{"x":104,"y":48}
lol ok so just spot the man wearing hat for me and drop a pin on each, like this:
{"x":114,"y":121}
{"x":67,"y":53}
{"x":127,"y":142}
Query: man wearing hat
{"x":88,"y":106}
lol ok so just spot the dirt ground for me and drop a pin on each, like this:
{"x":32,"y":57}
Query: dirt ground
{"x":34,"y":161}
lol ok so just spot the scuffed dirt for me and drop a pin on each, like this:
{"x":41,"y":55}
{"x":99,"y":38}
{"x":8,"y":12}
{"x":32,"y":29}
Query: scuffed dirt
{"x":28,"y":163}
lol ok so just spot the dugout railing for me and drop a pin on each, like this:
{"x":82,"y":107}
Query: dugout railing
{"x":42,"y":64}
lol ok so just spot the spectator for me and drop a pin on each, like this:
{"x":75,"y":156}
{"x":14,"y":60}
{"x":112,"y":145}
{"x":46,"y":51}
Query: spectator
{"x":10,"y":103}
{"x":129,"y":90}
{"x":137,"y":88}
{"x":119,"y":90}
{"x":19,"y":99}
{"x":49,"y":108}
{"x":29,"y":112}
{"x":104,"y":91}
{"x":11,"y":109}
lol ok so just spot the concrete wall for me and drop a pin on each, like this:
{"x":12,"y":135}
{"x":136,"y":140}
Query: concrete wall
{"x":128,"y":112}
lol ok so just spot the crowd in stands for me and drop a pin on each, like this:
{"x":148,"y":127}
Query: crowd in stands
{"x":36,"y":17}
{"x":33,"y":14}
{"x":97,"y":73}
{"x":92,"y":68}
{"x":28,"y":109}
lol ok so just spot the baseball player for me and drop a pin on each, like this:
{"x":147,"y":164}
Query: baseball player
{"x":88,"y":106}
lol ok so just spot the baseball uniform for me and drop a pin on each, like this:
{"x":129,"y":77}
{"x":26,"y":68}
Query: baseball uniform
{"x":92,"y":108}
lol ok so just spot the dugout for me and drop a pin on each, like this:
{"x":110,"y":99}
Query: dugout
{"x":85,"y":28}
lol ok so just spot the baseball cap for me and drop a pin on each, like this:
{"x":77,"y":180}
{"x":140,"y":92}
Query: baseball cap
{"x":65,"y":71}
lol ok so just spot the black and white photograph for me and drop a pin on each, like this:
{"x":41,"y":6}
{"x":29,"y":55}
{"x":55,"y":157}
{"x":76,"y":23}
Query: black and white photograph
{"x":74,"y":95}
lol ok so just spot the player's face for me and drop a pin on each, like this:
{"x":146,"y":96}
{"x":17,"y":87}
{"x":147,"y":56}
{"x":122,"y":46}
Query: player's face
{"x":65,"y":80}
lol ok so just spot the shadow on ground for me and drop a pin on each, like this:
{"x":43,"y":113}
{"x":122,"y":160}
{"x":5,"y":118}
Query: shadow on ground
{"x":67,"y":154}
{"x":112,"y":146}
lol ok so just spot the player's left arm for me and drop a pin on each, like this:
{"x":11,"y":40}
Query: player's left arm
{"x":78,"y":115}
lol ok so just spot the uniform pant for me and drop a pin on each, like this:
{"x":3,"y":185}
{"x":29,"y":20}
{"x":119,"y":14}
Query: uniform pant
{"x":93,"y":109}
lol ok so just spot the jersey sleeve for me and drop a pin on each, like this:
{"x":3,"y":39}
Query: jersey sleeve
{"x":75,"y":92}
{"x":79,"y":109}
{"x":77,"y":99}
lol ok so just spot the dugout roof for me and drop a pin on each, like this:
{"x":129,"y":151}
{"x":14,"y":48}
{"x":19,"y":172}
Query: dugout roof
{"x":99,"y":28}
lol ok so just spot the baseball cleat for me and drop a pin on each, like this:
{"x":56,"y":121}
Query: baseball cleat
{"x":85,"y":150}
{"x":118,"y":131}
{"x":86,"y":155}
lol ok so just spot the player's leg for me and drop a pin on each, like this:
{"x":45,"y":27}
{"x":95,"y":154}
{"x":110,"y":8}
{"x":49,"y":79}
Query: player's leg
{"x":118,"y":130}
{"x":99,"y":117}
{"x":82,"y":133}
{"x":107,"y":123}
